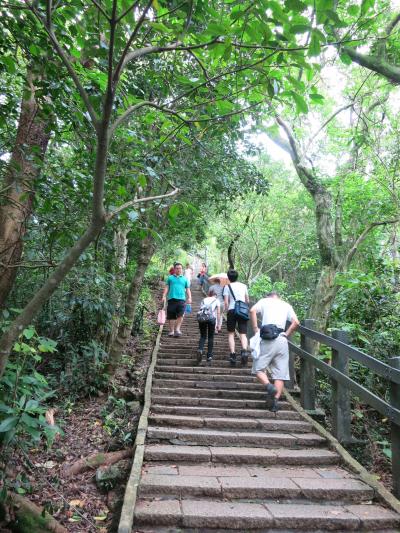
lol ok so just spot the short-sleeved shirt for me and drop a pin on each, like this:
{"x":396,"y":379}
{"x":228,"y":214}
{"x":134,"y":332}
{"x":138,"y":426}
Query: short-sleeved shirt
{"x":217,"y":291}
{"x":239,"y":290}
{"x":274,"y":311}
{"x":177,"y":287}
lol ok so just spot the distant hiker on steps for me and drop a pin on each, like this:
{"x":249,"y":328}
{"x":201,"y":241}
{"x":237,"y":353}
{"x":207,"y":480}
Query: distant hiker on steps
{"x":207,"y":317}
{"x":177,"y":288}
{"x":273,"y":347}
{"x":232,"y":293}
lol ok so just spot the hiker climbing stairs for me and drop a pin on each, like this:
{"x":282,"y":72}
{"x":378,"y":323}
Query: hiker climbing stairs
{"x":216,"y":459}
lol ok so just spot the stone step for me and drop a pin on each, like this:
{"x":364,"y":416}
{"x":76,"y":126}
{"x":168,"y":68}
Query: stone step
{"x":208,"y":384}
{"x":214,"y":412}
{"x":214,"y":437}
{"x":244,"y":456}
{"x":247,"y":516}
{"x":171,"y":399}
{"x":197,"y":392}
{"x":205,"y":370}
{"x":200,"y":377}
{"x":230,"y":424}
{"x":195,"y":483}
{"x":218,"y":363}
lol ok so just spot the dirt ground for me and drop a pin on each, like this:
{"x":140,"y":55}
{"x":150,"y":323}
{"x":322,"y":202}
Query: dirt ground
{"x":75,"y":501}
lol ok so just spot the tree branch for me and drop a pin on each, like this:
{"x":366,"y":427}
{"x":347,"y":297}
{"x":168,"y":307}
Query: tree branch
{"x":63,"y":56}
{"x":374,"y":63}
{"x":121,"y":61}
{"x":102,"y":11}
{"x":363,"y":236}
{"x":111,"y":215}
{"x":327,"y":122}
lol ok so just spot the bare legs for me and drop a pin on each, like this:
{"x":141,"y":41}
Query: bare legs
{"x":231,"y":341}
{"x":263,"y":378}
{"x":175,"y":325}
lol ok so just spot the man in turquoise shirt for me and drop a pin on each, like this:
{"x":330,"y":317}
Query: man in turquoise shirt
{"x":177,"y":287}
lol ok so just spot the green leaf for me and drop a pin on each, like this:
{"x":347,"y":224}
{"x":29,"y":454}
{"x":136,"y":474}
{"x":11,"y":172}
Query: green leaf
{"x":28,"y":333}
{"x":345,"y":58}
{"x":317,"y":98}
{"x":353,"y":10}
{"x":314,"y":49}
{"x":174,"y":211}
{"x":8,"y":424}
{"x":301,"y":105}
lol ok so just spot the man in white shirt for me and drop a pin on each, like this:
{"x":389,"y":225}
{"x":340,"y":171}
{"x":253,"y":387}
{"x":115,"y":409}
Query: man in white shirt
{"x":274,"y":350}
{"x":235,"y":291}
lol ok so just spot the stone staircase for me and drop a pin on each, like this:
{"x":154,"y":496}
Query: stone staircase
{"x":216,"y":459}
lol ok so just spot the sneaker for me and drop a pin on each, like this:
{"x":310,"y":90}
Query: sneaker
{"x":171,"y":334}
{"x":274,"y":407}
{"x":244,"y":357}
{"x":199,"y":356}
{"x":209,"y":359}
{"x":232,"y":359}
{"x":271,"y":391}
{"x":178,"y":334}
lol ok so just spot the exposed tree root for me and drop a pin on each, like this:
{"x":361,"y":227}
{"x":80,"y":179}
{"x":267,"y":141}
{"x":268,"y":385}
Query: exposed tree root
{"x":25,"y":516}
{"x":96,"y":459}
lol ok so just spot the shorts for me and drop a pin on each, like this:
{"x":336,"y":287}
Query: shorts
{"x":233,"y":322}
{"x":175,"y":309}
{"x":274,"y":355}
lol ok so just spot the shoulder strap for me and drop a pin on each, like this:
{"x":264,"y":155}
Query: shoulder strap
{"x":230,"y":288}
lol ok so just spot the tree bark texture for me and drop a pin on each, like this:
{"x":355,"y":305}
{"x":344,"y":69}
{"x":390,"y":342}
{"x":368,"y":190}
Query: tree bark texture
{"x":19,"y":183}
{"x":124,"y":331}
{"x":121,"y":253}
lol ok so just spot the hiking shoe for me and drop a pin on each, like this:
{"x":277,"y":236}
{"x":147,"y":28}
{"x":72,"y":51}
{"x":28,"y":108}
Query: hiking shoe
{"x":209,"y":359}
{"x":244,"y":357}
{"x":232,"y":359}
{"x":271,"y":391}
{"x":199,"y":356}
{"x":274,"y":407}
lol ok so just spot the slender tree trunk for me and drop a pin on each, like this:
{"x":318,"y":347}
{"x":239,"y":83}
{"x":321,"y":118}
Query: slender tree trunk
{"x":121,"y":252}
{"x":323,"y":297}
{"x":19,"y":181}
{"x":125,"y":327}
{"x":58,"y":275}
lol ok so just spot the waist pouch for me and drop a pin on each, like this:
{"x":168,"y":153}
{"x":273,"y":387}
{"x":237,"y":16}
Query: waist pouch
{"x":268,"y":332}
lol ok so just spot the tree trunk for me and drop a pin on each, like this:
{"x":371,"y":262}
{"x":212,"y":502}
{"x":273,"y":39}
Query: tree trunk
{"x":58,"y":275}
{"x":24,"y":167}
{"x":323,"y":297}
{"x":124,"y":330}
{"x":121,"y":253}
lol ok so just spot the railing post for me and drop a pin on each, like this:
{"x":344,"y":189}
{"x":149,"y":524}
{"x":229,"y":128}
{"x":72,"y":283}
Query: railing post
{"x":307,"y":370}
{"x":341,"y":412}
{"x":395,"y":402}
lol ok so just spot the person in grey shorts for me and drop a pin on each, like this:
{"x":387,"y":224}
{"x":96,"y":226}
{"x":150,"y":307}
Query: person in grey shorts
{"x":274,"y":350}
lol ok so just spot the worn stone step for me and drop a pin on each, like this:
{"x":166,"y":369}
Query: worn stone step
{"x":197,"y":392}
{"x":171,"y":399}
{"x":195,"y":483}
{"x":219,"y":363}
{"x":214,"y":437}
{"x":192,"y":354}
{"x":200,"y":377}
{"x":246,"y":516}
{"x":244,"y":455}
{"x":230,"y":424}
{"x":214,"y":412}
{"x":206,"y":370}
{"x":208,"y":384}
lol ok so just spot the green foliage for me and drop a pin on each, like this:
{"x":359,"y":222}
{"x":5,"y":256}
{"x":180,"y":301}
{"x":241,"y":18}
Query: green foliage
{"x":24,"y":393}
{"x":264,"y":284}
{"x":85,"y":370}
